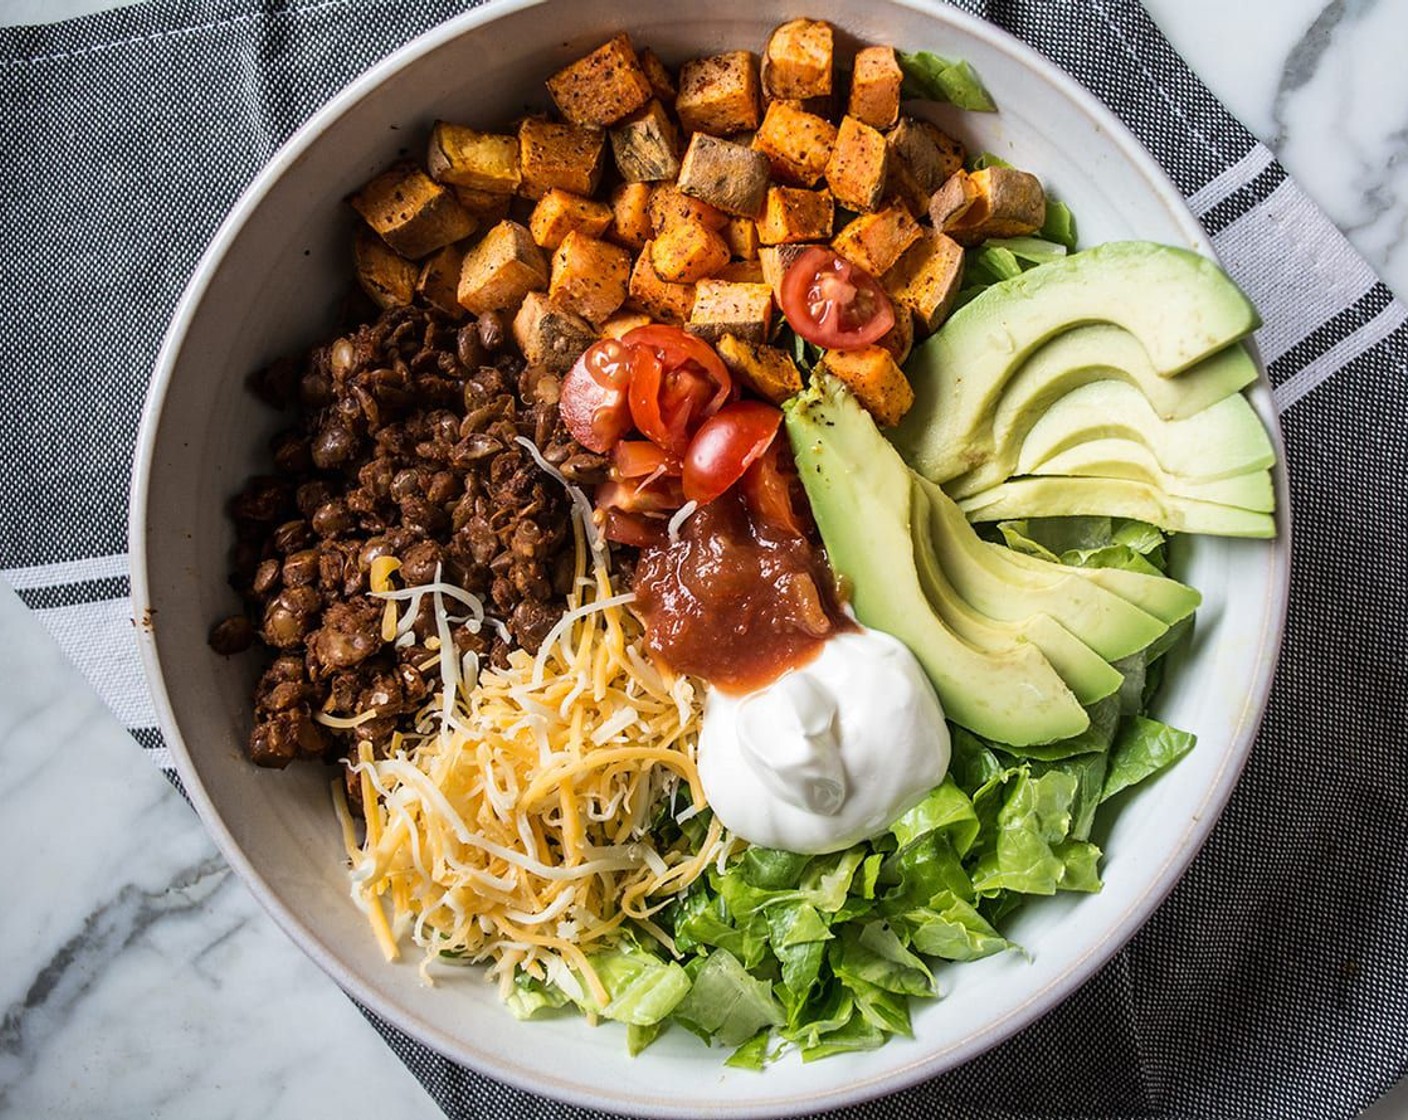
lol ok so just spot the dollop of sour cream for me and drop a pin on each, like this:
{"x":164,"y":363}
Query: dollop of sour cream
{"x":828,"y":754}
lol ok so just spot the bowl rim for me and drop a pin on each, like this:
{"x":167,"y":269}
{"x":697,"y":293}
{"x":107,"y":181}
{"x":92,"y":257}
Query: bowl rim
{"x":1133,"y":917}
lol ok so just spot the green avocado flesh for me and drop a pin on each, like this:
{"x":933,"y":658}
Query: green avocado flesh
{"x":1089,"y":354}
{"x":1178,"y":306}
{"x":1088,"y":675}
{"x":984,"y":575}
{"x":1222,"y":440}
{"x":1166,"y":599}
{"x":1124,"y":458}
{"x":1102,"y":352}
{"x":861,"y":497}
{"x":1052,"y":496}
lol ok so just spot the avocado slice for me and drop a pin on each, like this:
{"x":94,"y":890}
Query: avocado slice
{"x":860,"y":495}
{"x":1094,"y":352}
{"x":980,"y":572}
{"x":1088,"y":675}
{"x":1051,"y":496}
{"x":1181,"y":308}
{"x":1103,"y":351}
{"x":1127,"y":458}
{"x":1225,"y":439}
{"x":1166,"y":599}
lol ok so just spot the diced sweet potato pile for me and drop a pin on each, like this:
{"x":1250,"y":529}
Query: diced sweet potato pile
{"x":683,"y":196}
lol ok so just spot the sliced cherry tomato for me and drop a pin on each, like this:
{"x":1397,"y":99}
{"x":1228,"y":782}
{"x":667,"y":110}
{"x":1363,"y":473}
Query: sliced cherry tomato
{"x":833,"y":303}
{"x":593,"y":403}
{"x":635,"y":529}
{"x":774,"y":493}
{"x":677,"y":382}
{"x":639,"y":458}
{"x":726,"y":445}
{"x":661,"y":495}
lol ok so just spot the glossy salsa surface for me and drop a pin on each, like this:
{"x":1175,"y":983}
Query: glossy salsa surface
{"x":736,"y":602}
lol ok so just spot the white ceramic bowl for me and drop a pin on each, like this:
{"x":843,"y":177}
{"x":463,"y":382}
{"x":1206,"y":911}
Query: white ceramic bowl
{"x":269,"y":285}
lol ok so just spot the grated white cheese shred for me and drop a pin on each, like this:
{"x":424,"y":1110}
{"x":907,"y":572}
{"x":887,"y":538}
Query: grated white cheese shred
{"x":581,"y":504}
{"x":677,"y":520}
{"x":510,"y":828}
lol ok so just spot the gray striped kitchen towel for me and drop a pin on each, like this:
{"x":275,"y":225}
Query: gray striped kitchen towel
{"x":1274,"y":981}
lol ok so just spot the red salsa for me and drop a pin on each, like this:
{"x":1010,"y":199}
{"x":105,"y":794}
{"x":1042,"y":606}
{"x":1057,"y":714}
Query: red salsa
{"x":733,"y":601}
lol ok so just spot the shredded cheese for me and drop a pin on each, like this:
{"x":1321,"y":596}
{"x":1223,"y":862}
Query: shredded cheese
{"x":511,"y":828}
{"x":676,"y":522}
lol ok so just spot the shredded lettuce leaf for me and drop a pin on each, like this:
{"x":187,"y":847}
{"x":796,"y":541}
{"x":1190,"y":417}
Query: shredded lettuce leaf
{"x":929,"y":77}
{"x":1144,"y":748}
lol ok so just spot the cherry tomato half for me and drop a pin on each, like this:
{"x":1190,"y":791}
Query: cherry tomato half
{"x":593,"y":403}
{"x":677,"y":382}
{"x":659,"y":495}
{"x":833,"y":303}
{"x":639,"y":458}
{"x":726,"y":445}
{"x":635,"y":529}
{"x":774,"y":493}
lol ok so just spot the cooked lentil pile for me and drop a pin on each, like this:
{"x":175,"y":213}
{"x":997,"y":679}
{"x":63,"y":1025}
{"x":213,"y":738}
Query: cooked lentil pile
{"x":404,"y":446}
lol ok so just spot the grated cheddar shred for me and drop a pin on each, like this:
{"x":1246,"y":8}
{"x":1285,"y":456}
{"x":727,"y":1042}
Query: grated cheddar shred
{"x":513,"y":827}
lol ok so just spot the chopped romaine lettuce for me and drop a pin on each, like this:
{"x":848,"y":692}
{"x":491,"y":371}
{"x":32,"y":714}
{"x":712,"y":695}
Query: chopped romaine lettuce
{"x":1060,"y":224}
{"x":726,"y":1003}
{"x":932,"y":78}
{"x":1145,"y":746}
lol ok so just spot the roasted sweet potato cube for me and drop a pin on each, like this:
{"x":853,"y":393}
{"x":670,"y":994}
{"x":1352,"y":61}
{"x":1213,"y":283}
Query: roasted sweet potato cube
{"x":688,"y":251}
{"x":878,"y":383}
{"x":743,"y":272}
{"x":559,"y":212}
{"x":630,"y":215}
{"x":901,"y":186}
{"x":797,"y":143}
{"x":731,"y":177}
{"x":776,"y":260}
{"x":768,"y":371}
{"x":668,"y":205}
{"x":483,"y":161}
{"x":929,"y":152}
{"x":875,"y":87}
{"x":549,"y":335}
{"x":855,"y":172}
{"x":411,"y":212}
{"x":559,"y":155}
{"x":662,"y":82}
{"x":647,"y":145}
{"x":486,"y":207}
{"x":876,"y":241}
{"x":589,"y":276}
{"x":742,"y":237}
{"x":798,"y":61}
{"x":670,"y":303}
{"x":602,"y":87}
{"x":439,"y":280}
{"x":723,"y":307}
{"x":1008,"y":203}
{"x":952,"y":200}
{"x":921,"y":158}
{"x":390,"y":279}
{"x":623,"y":322}
{"x":501,"y":269}
{"x":926,"y":279}
{"x":719,"y":95}
{"x":899,"y":339}
{"x":793,"y":215}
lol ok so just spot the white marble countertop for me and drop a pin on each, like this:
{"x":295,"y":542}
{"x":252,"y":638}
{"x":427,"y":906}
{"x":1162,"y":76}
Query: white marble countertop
{"x":153,"y":985}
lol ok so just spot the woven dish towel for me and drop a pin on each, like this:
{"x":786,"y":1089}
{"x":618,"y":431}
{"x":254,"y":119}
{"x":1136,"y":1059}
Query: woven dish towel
{"x":1274,"y":981}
